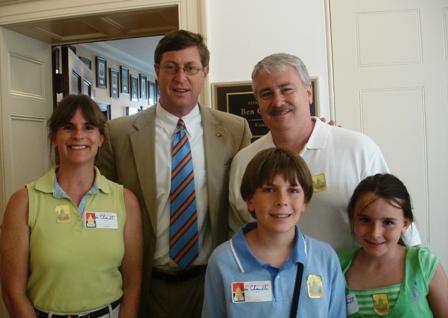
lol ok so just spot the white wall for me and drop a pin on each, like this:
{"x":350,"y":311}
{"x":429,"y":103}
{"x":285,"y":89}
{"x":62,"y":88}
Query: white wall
{"x":240,"y":33}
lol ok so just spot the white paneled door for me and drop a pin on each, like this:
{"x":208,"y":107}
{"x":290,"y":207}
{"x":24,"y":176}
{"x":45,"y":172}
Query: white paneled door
{"x":391,"y":82}
{"x":26,"y":104}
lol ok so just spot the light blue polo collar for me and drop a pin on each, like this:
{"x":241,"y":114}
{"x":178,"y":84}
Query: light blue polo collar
{"x":59,"y":193}
{"x":49,"y":184}
{"x":248,"y":262}
{"x":46,"y":183}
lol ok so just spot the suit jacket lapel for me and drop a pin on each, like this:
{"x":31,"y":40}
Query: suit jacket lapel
{"x":143,"y":146}
{"x":214,"y":143}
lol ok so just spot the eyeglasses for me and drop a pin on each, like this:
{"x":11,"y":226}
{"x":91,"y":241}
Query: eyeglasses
{"x":172,"y":68}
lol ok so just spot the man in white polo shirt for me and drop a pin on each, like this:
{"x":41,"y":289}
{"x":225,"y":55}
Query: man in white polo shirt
{"x":338,"y":158}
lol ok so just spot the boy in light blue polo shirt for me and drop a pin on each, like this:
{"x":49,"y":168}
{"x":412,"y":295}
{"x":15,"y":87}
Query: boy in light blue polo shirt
{"x":269,"y":267}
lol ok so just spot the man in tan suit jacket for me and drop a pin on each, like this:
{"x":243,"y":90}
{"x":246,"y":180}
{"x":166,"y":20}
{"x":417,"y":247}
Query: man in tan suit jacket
{"x":135,"y":154}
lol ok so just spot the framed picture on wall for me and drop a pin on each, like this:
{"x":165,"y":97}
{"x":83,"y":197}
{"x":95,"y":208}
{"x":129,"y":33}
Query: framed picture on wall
{"x":130,"y":110}
{"x":152,"y":93}
{"x":105,"y":109}
{"x":143,"y":87}
{"x":238,"y":98}
{"x":86,"y":88}
{"x":124,"y":80}
{"x":101,"y":69}
{"x":86,"y":61}
{"x":75,"y":83}
{"x":114,"y":76}
{"x":134,"y":88}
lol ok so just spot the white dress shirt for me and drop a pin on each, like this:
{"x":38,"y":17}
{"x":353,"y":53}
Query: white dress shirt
{"x":165,"y":128}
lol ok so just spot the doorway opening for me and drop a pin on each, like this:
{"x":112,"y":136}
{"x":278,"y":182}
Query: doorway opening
{"x":107,"y":56}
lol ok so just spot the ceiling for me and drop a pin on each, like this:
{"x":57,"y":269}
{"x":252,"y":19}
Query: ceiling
{"x":6,"y":2}
{"x":129,"y":36}
{"x":100,"y":27}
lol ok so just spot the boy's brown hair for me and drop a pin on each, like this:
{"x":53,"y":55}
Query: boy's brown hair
{"x":271,"y":162}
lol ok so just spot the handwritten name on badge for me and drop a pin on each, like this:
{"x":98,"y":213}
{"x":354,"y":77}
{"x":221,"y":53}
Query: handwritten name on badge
{"x":251,"y":292}
{"x":100,"y":220}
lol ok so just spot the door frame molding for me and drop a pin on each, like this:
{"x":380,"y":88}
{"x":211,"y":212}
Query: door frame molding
{"x":329,"y":44}
{"x":2,"y":159}
{"x":190,"y":13}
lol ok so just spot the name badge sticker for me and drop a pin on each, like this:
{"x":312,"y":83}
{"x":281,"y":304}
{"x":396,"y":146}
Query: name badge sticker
{"x":62,"y":214}
{"x":100,"y":220}
{"x":319,"y":182}
{"x":251,"y":292}
{"x":352,"y":304}
{"x":380,"y":304}
{"x":315,"y":286}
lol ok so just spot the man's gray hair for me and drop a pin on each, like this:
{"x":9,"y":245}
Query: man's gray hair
{"x":277,"y":62}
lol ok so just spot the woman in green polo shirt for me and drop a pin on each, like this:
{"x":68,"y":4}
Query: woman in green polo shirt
{"x":71,"y":240}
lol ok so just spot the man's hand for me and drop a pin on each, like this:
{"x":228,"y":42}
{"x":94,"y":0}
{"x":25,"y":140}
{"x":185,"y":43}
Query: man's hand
{"x":331,"y":122}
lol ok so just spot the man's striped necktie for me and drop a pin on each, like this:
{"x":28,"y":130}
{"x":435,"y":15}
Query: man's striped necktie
{"x":184,"y":245}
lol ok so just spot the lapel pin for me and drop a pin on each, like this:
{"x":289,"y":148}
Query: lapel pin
{"x":219,"y":134}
